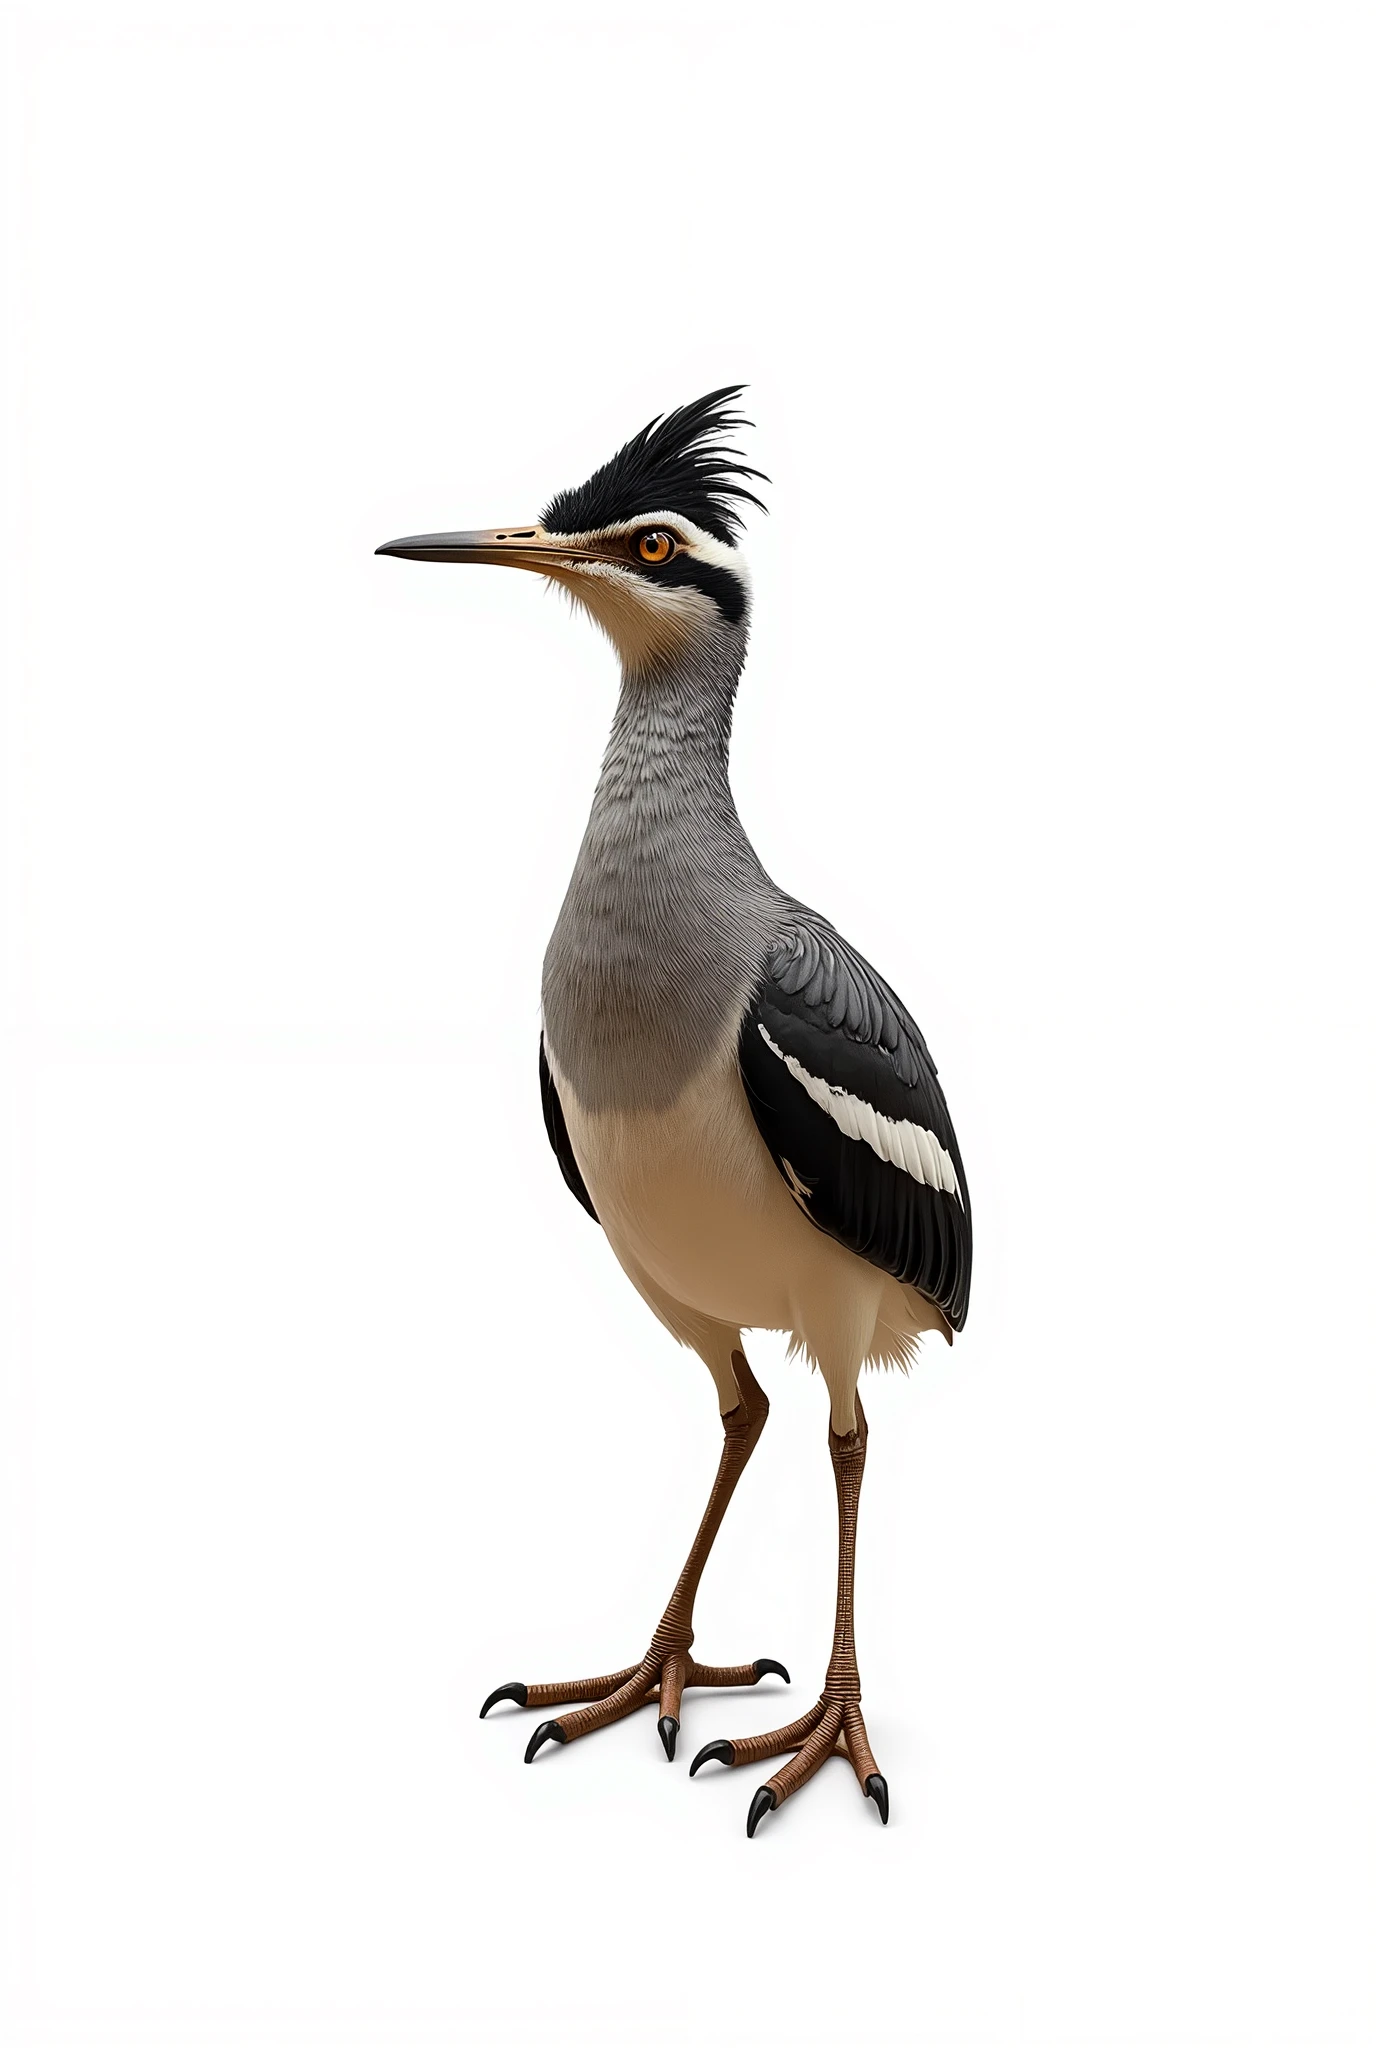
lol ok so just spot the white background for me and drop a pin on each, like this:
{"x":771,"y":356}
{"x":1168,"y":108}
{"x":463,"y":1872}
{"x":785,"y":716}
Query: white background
{"x":325,"y":1407}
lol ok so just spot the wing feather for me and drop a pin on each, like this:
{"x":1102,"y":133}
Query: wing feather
{"x":557,"y":1130}
{"x":842,"y":1086}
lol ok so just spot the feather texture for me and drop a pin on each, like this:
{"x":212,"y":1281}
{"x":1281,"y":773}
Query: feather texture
{"x":678,"y":463}
{"x":846,"y":1096}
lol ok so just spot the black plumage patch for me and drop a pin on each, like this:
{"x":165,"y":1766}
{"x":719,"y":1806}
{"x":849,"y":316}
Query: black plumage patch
{"x":727,"y":592}
{"x":558,"y":1133}
{"x":824,"y":1005}
{"x":678,"y":463}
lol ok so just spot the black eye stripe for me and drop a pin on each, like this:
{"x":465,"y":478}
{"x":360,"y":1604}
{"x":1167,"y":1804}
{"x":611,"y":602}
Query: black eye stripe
{"x":726,"y":591}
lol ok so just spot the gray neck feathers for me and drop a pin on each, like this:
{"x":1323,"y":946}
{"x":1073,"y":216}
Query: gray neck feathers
{"x":668,"y":914}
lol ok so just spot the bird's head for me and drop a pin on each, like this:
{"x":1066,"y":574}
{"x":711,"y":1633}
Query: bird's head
{"x":647,"y":544}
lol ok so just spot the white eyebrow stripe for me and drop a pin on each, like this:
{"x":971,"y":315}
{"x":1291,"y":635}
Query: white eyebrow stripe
{"x":919,"y":1152}
{"x":704,"y":545}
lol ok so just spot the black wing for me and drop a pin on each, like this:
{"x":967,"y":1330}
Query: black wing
{"x":558,"y":1132}
{"x":843,"y":1087}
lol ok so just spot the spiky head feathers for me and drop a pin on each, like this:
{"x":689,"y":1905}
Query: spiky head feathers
{"x":678,"y":463}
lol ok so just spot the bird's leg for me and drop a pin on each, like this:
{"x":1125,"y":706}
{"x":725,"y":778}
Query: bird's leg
{"x":835,"y":1726}
{"x":667,"y":1666}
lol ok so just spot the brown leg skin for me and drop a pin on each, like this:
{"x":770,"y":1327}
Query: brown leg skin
{"x":667,"y":1667}
{"x":835,"y":1726}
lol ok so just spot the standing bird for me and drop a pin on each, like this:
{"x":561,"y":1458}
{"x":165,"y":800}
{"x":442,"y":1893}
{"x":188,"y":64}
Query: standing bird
{"x":731,"y":1091}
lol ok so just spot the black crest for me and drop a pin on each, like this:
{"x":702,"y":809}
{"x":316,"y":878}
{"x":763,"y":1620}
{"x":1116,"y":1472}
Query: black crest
{"x":678,"y":463}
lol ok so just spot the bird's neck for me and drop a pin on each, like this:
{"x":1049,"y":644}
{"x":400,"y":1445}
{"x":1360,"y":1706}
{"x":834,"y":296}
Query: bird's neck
{"x":668,"y":910}
{"x":667,"y":757}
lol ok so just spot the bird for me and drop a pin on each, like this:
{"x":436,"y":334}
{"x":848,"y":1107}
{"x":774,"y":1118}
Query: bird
{"x":732,"y":1093}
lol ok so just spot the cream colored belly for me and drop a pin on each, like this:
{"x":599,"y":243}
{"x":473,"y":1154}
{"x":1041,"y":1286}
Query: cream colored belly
{"x":700,"y":1217}
{"x":691,"y":1197}
{"x":702,"y":1221}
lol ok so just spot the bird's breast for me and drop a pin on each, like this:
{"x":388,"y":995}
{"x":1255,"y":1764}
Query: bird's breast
{"x":647,"y":973}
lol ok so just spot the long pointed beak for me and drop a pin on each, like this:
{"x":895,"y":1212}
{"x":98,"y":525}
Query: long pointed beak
{"x":518,"y":547}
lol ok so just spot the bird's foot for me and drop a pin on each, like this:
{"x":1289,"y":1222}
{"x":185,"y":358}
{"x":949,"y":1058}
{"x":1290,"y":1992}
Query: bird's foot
{"x":834,"y":1727}
{"x":661,"y":1677}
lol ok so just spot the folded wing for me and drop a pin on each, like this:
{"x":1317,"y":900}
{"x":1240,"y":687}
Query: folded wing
{"x":846,"y":1097}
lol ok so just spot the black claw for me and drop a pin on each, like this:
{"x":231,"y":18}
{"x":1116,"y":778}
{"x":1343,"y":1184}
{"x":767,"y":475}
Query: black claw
{"x":515,"y":1691}
{"x":668,"y":1734}
{"x":764,"y":1802}
{"x":719,"y":1752}
{"x":877,"y":1789}
{"x":548,"y":1731}
{"x":763,"y":1664}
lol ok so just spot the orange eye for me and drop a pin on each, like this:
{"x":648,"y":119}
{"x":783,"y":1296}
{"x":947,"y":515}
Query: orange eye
{"x":654,"y":545}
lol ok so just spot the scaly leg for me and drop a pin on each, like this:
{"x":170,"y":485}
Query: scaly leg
{"x":835,"y":1726}
{"x":667,"y":1667}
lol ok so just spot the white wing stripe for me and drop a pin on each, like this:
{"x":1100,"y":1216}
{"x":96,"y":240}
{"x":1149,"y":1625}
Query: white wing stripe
{"x":915,"y":1160}
{"x":905,"y":1144}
